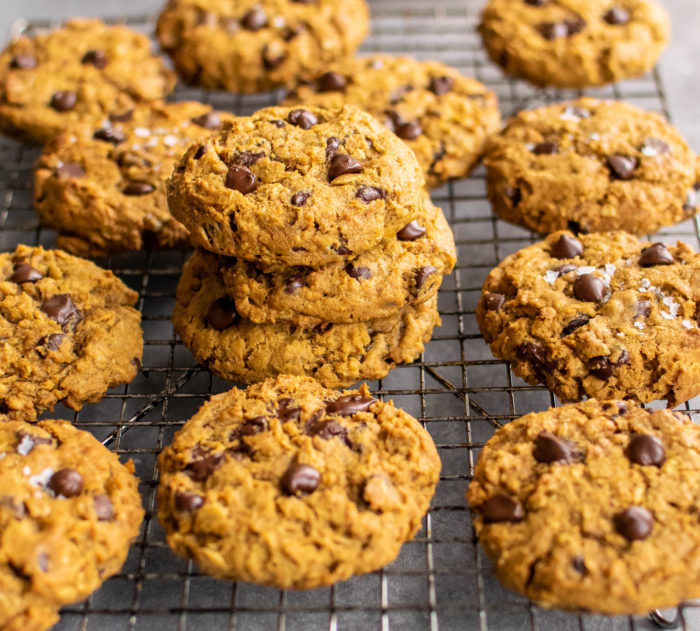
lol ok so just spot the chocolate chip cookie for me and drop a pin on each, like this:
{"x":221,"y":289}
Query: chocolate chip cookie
{"x":293,"y":485}
{"x":68,"y":332}
{"x":593,"y":506}
{"x":337,"y":355}
{"x":602,"y":315}
{"x":297,"y":186}
{"x":574,"y":43}
{"x":591,"y":165}
{"x":257,"y":45}
{"x":103,"y":187}
{"x":405,"y":270}
{"x":68,"y":512}
{"x":443,"y":116}
{"x":82,"y":72}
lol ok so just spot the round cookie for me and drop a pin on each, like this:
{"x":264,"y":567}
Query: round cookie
{"x":602,"y":315}
{"x":257,"y":45}
{"x":574,"y":43}
{"x":293,"y":485}
{"x":590,"y":165}
{"x":336,"y":355}
{"x":103,"y":187}
{"x":80,"y":73}
{"x":405,"y":270}
{"x":443,"y":116}
{"x":69,"y":511}
{"x":68,"y":332}
{"x":593,"y":506}
{"x":297,"y":186}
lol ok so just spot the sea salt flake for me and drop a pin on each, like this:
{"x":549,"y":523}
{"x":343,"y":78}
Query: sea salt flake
{"x":550,"y":276}
{"x":667,"y":316}
{"x":170,"y":140}
{"x":672,"y":305}
{"x":27,"y":471}
{"x":609,"y":269}
{"x":25,"y":445}
{"x":620,"y":334}
{"x":595,"y":136}
{"x":639,"y":325}
{"x":142,"y":132}
{"x":649,"y":151}
{"x":585,"y":269}
{"x":687,"y":324}
{"x":40,"y":480}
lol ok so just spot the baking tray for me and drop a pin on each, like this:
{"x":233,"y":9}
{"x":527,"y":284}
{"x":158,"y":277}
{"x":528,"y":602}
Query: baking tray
{"x":441,"y":579}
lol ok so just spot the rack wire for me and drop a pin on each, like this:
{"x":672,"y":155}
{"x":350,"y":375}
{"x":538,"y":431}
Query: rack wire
{"x":442,"y":579}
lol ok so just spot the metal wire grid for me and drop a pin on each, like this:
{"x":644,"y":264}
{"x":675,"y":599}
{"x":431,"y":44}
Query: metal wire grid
{"x":458,"y":390}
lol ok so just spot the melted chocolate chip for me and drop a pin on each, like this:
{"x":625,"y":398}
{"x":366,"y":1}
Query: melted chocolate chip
{"x":121,"y":117}
{"x":24,"y":273}
{"x":553,"y":30}
{"x":535,"y":355}
{"x":579,"y":564}
{"x":590,"y":288}
{"x":69,"y":170}
{"x":109,"y":134}
{"x":514,"y":195}
{"x":493,"y":301}
{"x":255,"y":19}
{"x":208,"y":120}
{"x":331,"y":81}
{"x":300,"y":479}
{"x":550,"y":449}
{"x":299,"y":199}
{"x":64,"y":101}
{"x":359,"y":273}
{"x":574,"y":26}
{"x":241,"y":178}
{"x":328,"y":430}
{"x":188,"y":502}
{"x":253,"y":426}
{"x":350,"y":404}
{"x":634,"y":524}
{"x":409,"y":130}
{"x":341,"y":249}
{"x":646,"y":450}
{"x":422,"y":274}
{"x":222,"y":314}
{"x":370,"y":193}
{"x":566,"y":247}
{"x":137,"y":189}
{"x":656,"y":254}
{"x":66,"y":482}
{"x":579,"y":321}
{"x":285,"y":411}
{"x":601,"y":367}
{"x":343,"y":164}
{"x":248,"y":158}
{"x":302,"y":118}
{"x":546,"y":148}
{"x":103,"y":508}
{"x":502,"y":508}
{"x":60,"y":308}
{"x":97,"y":58}
{"x":332,"y":145}
{"x":50,"y":342}
{"x":642,"y":308}
{"x":204,"y":464}
{"x":622,"y":167}
{"x":411,"y":231}
{"x":617,"y":16}
{"x":23,"y":62}
{"x":294,"y":285}
{"x":440,"y":85}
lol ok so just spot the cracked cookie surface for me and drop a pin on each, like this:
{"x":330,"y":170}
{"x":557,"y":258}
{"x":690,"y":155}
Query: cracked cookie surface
{"x":593,"y":506}
{"x":297,"y":186}
{"x":591,"y":165}
{"x":68,"y":512}
{"x":68,"y":331}
{"x":336,"y":355}
{"x":79,"y":73}
{"x":600,"y":315}
{"x":293,"y":485}
{"x":574,"y":43}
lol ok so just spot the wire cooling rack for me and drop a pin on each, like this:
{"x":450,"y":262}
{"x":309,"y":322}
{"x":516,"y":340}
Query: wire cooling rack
{"x":442,"y":579}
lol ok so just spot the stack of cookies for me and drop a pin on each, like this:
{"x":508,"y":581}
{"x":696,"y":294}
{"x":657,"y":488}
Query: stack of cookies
{"x":320,"y":253}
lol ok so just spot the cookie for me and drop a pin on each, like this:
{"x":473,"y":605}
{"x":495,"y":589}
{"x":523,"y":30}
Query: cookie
{"x":593,"y":506}
{"x":257,"y":45}
{"x":80,"y":73}
{"x":293,"y":485}
{"x":574,"y":43}
{"x":68,"y":512}
{"x":68,"y":332}
{"x":103,"y":187}
{"x":405,"y":270}
{"x":336,"y":355}
{"x":602,"y":315}
{"x":590,"y":165}
{"x":442,"y":116}
{"x":297,"y":186}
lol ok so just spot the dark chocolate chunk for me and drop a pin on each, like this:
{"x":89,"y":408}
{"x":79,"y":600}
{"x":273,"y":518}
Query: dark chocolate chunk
{"x":566,"y":247}
{"x":546,"y":148}
{"x":34,"y":440}
{"x":646,"y":450}
{"x":300,"y":479}
{"x":103,"y":508}
{"x":66,"y":482}
{"x":138,"y":188}
{"x":370,"y":193}
{"x":121,"y":117}
{"x":553,"y":30}
{"x":359,"y":273}
{"x":241,"y":178}
{"x":590,"y":288}
{"x":188,"y":502}
{"x":493,"y":301}
{"x":299,"y":199}
{"x":255,"y":19}
{"x":222,"y":314}
{"x":327,"y":430}
{"x":204,"y":464}
{"x":50,"y":342}
{"x":535,"y":355}
{"x":409,"y":130}
{"x":514,"y":195}
{"x":622,"y":167}
{"x":331,"y":81}
{"x":60,"y":308}
{"x":302,"y":118}
{"x":332,"y":145}
{"x":294,"y":285}
{"x":550,"y":449}
{"x":411,"y":231}
{"x":440,"y":85}
{"x":617,"y":16}
{"x":656,"y":254}
{"x":97,"y":58}
{"x":422,"y":274}
{"x":110,"y":134}
{"x":285,"y":411}
{"x":343,"y":164}
{"x":350,"y":404}
{"x":248,"y":158}
{"x":579,"y":564}
{"x":635,"y":524}
{"x":208,"y":120}
{"x":501,"y":508}
{"x":601,"y":367}
{"x":579,"y":321}
{"x":64,"y":101}
{"x":24,"y":273}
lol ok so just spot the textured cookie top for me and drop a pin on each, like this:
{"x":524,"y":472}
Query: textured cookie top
{"x":81,"y":72}
{"x":68,"y":513}
{"x":405,"y":269}
{"x":255,"y":45}
{"x":67,"y":331}
{"x":602,"y":315}
{"x":290,"y":484}
{"x":575,"y":43}
{"x":593,"y":506}
{"x":598,"y":165}
{"x":103,"y":186}
{"x":443,"y":116}
{"x":297,"y":186}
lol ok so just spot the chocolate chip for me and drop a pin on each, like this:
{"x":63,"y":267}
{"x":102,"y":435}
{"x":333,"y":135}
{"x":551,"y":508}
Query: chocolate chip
{"x":493,"y":301}
{"x":617,"y":16}
{"x":204,"y":464}
{"x":24,"y":273}
{"x":302,"y":118}
{"x":622,"y":167}
{"x":550,"y":449}
{"x":299,"y":199}
{"x":553,"y":30}
{"x":360,"y":273}
{"x":590,"y":288}
{"x":136,"y":189}
{"x":423,"y":273}
{"x":646,"y":450}
{"x":248,"y":158}
{"x":575,"y":227}
{"x":241,"y":178}
{"x":566,"y":247}
{"x":642,"y":308}
{"x":294,"y":285}
{"x":535,"y":355}
{"x":622,"y":409}
{"x":137,"y":362}
{"x":601,"y":367}
{"x":60,"y":308}
{"x":370,"y":193}
{"x":332,"y":145}
{"x":208,"y":120}
{"x":70,"y":169}
{"x":440,"y":85}
{"x":331,"y":81}
{"x":350,"y":404}
{"x":343,"y":164}
{"x":579,"y":564}
{"x":501,"y":508}
{"x":288,"y":33}
{"x":579,"y":321}
{"x":253,"y":426}
{"x":222,"y":314}
{"x":122,"y":117}
{"x":411,"y":231}
{"x":103,"y":508}
{"x":328,"y":430}
{"x":110,"y":134}
{"x":255,"y":19}
{"x":409,"y":130}
{"x":634,"y":524}
{"x":200,"y":152}
{"x":66,"y":482}
{"x":656,"y":254}
{"x":341,"y":249}
{"x":285,"y":411}
{"x":64,"y":101}
{"x":514,"y":195}
{"x":574,"y":26}
{"x":23,"y":437}
{"x":300,"y":479}
{"x":51,"y":342}
{"x":24,"y":62}
{"x":188,"y":502}
{"x":548,"y":147}
{"x":97,"y":58}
